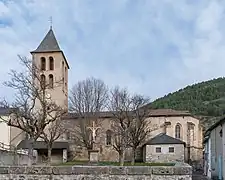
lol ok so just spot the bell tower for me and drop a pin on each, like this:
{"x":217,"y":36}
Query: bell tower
{"x":53,"y":68}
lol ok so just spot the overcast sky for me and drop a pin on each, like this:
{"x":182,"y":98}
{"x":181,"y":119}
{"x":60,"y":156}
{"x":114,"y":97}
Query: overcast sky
{"x":152,"y":47}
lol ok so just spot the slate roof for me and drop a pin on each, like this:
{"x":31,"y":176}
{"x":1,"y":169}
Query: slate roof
{"x":164,"y":139}
{"x":42,"y":145}
{"x":49,"y":43}
{"x":6,"y":111}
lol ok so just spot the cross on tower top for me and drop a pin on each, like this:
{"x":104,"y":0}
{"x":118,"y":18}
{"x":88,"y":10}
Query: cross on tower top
{"x":50,"y":21}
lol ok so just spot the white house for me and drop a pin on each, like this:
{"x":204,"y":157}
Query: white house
{"x":214,"y":158}
{"x":10,"y":136}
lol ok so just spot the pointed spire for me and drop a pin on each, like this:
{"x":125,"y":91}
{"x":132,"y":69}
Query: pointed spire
{"x":49,"y":43}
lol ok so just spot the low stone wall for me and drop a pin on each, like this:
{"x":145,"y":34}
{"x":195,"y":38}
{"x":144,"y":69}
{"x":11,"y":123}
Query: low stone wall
{"x":12,"y":158}
{"x":178,"y":172}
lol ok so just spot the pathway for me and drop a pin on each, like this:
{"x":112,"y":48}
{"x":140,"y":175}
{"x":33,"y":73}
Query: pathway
{"x":199,"y":176}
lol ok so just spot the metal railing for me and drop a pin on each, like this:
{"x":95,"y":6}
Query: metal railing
{"x":10,"y":148}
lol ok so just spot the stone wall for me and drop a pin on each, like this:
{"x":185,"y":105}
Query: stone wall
{"x":12,"y":158}
{"x":165,"y":156}
{"x":180,"y":171}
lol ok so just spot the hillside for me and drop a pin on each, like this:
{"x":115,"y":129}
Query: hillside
{"x":202,"y":99}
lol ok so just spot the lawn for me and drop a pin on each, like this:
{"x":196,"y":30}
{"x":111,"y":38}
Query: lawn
{"x":106,"y":163}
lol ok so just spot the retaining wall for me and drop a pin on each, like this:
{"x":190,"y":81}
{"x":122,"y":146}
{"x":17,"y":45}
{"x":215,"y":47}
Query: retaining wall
{"x":178,"y":172}
{"x":13,"y":158}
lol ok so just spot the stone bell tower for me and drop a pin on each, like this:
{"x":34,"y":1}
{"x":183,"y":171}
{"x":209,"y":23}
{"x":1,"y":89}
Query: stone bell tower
{"x":53,"y":68}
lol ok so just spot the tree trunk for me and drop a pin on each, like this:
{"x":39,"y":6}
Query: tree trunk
{"x":121,"y":158}
{"x":30,"y":151}
{"x":133,"y":156}
{"x":49,"y":156}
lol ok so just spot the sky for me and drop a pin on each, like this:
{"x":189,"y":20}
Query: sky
{"x":151,"y":47}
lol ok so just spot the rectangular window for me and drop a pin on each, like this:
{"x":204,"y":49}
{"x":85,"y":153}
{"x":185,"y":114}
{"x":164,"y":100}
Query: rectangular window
{"x":171,"y":149}
{"x":158,"y":149}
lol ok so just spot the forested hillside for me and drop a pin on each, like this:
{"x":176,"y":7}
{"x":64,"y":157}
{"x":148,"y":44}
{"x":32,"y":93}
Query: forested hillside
{"x":203,"y":99}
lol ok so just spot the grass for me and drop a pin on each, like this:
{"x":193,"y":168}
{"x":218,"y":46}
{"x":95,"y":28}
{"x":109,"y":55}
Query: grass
{"x":107,"y":163}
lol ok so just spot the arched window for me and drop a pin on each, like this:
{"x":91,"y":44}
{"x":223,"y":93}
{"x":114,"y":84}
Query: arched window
{"x":51,"y":63}
{"x":43,"y":64}
{"x":63,"y":70}
{"x":108,"y":137}
{"x":63,"y":78}
{"x":43,"y":79}
{"x":65,"y":74}
{"x":51,"y":80}
{"x":67,"y":135}
{"x":89,"y":139}
{"x":178,"y":131}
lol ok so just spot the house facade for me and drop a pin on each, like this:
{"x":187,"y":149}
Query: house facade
{"x":214,"y":153}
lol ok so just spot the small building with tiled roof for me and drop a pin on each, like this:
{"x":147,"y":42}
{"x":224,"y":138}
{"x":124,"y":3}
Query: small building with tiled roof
{"x":164,"y":148}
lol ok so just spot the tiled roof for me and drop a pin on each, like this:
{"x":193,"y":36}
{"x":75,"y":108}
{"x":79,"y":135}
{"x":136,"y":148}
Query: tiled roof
{"x":163,"y":139}
{"x":49,"y":43}
{"x":167,"y":112}
{"x":151,"y":113}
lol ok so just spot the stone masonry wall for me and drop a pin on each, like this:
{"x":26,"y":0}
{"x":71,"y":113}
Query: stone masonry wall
{"x":165,"y":155}
{"x":177,"y":172}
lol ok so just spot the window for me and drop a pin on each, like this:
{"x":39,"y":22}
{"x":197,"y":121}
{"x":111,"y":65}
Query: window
{"x":178,"y":131}
{"x":43,"y":81}
{"x":63,"y":78}
{"x":108,"y":137}
{"x":51,"y":81}
{"x":43,"y":64}
{"x":221,"y":133}
{"x":67,"y":135}
{"x":65,"y":75}
{"x":51,"y":63}
{"x":171,"y":149}
{"x":158,"y":149}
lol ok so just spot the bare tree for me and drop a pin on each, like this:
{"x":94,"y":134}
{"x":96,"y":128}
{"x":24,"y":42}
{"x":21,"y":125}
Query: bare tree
{"x":88,"y":98}
{"x":119,"y":105}
{"x":33,"y":108}
{"x":139,"y":128}
{"x":51,"y":133}
{"x":129,"y":125}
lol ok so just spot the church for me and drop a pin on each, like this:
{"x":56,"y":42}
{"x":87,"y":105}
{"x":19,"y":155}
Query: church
{"x":177,"y":135}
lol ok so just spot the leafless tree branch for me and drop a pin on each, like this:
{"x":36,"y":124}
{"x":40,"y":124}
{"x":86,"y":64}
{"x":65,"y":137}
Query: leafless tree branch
{"x":87,"y":99}
{"x":33,"y":108}
{"x":119,"y":106}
